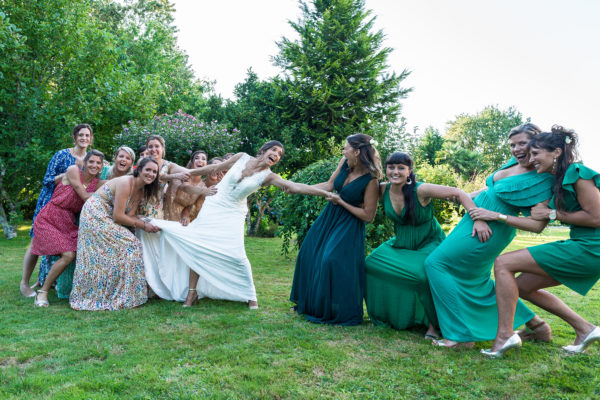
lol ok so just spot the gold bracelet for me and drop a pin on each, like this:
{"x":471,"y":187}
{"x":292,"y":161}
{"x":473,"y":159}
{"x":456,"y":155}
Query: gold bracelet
{"x":502,"y":218}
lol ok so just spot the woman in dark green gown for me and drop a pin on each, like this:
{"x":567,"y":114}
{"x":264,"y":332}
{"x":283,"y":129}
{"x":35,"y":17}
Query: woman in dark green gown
{"x":574,"y":263}
{"x":459,"y":270}
{"x":328,"y":284}
{"x":397,"y":291}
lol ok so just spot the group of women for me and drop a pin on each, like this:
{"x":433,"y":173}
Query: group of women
{"x":190,"y":241}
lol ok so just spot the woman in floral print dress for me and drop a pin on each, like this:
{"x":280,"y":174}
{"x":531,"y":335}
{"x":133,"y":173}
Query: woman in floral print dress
{"x":110,"y":270}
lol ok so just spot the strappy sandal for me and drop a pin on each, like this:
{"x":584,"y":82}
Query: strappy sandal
{"x":194,"y":301}
{"x":252,"y":304}
{"x":40,"y":303}
{"x":539,"y":333}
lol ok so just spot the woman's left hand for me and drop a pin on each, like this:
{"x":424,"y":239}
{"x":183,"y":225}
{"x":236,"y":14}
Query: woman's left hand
{"x":482,"y":230}
{"x":540,"y":212}
{"x":334,"y":198}
{"x":182,"y":176}
{"x":478,"y":213}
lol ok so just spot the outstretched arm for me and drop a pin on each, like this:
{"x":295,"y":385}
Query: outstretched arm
{"x":524,"y":223}
{"x":215,"y":167}
{"x":428,"y":191}
{"x":328,"y":185}
{"x":369,"y":209}
{"x":294,"y":187}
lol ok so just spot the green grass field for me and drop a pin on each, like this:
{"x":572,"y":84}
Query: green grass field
{"x":221,"y":349}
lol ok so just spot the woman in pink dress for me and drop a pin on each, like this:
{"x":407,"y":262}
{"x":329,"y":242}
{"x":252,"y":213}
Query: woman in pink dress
{"x":55,"y":231}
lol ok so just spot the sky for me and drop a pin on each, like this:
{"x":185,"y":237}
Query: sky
{"x":540,"y":56}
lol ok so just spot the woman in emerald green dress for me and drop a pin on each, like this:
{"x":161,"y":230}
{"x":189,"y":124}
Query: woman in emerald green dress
{"x":396,"y":290}
{"x":574,"y":263}
{"x":329,"y":279}
{"x":459,"y":270}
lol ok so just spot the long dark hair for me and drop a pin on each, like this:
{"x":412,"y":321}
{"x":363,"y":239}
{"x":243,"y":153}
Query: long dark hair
{"x":368,"y":155}
{"x":566,"y":140}
{"x":151,"y":190}
{"x":408,"y":190}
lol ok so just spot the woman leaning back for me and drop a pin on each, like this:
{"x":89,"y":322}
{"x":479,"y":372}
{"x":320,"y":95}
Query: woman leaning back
{"x":459,"y":270}
{"x":83,"y":137}
{"x":574,"y":263}
{"x":396,"y":288}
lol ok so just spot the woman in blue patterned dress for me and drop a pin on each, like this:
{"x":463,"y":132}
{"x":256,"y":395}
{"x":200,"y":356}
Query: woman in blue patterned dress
{"x":63,"y":159}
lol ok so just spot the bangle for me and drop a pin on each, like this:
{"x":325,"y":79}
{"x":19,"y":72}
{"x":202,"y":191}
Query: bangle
{"x":502,"y":218}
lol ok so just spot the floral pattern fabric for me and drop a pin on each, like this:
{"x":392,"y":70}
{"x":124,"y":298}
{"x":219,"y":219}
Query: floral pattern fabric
{"x":109,"y":274}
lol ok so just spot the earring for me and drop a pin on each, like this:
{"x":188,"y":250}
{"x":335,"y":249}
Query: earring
{"x":554,"y":165}
{"x":409,"y":181}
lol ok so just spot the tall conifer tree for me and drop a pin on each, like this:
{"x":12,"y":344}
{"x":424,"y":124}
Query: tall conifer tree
{"x":336,"y":81}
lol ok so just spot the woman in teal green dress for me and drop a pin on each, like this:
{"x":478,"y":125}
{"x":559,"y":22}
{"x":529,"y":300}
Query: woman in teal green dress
{"x":329,"y":279}
{"x":459,"y":270}
{"x":396,"y":290}
{"x":574,"y":263}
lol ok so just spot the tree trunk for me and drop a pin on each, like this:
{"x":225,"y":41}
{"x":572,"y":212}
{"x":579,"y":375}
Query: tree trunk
{"x":10,"y":231}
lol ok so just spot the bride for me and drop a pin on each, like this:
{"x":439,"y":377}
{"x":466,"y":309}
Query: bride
{"x":211,"y":248}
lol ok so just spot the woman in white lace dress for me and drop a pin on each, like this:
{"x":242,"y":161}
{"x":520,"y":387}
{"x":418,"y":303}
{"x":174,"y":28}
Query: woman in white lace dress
{"x":207,"y":258}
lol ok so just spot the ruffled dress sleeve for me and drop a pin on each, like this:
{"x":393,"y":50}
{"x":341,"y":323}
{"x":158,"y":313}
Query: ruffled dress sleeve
{"x":575,"y":172}
{"x":525,"y":190}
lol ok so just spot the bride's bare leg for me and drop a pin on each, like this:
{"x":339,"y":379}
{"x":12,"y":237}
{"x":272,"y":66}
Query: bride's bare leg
{"x":192,"y":295}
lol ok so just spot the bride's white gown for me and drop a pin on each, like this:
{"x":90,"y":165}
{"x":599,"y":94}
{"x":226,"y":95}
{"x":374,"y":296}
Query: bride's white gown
{"x":212,"y":245}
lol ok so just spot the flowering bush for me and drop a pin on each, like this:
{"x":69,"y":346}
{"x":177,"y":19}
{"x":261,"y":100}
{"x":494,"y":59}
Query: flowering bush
{"x":183,"y":134}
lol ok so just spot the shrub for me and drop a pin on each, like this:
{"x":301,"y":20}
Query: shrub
{"x":183,"y":134}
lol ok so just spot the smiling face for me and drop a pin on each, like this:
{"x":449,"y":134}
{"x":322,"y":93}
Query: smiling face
{"x":543,"y":160}
{"x":397,"y":174}
{"x":149,"y":173}
{"x":519,"y":148}
{"x":83,"y":138}
{"x":94,"y":165}
{"x":272,"y":155}
{"x":123,"y":161}
{"x":155,"y":149}
{"x":199,"y":160}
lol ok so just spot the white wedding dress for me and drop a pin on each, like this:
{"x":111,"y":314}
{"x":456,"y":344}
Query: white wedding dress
{"x":212,"y":245}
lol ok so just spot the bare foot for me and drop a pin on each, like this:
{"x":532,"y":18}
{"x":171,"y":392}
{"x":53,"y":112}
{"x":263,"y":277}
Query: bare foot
{"x":252,"y":304}
{"x":26,"y":291}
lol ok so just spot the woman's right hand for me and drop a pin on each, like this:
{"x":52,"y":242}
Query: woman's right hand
{"x":482,"y":230}
{"x":148,"y":227}
{"x":210,"y":191}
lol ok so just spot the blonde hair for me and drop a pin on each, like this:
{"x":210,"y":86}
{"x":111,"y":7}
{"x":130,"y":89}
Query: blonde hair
{"x":131,"y":153}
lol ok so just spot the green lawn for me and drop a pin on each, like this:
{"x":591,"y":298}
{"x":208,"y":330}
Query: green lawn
{"x":221,"y":349}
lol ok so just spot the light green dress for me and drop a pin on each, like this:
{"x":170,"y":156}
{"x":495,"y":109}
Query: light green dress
{"x":397,"y":292}
{"x":459,"y":270}
{"x":574,"y":262}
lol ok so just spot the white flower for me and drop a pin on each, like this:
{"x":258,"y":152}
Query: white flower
{"x":567,"y":140}
{"x":373,"y":142}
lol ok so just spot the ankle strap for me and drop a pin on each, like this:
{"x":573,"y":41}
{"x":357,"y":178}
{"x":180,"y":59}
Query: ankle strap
{"x":191,"y":290}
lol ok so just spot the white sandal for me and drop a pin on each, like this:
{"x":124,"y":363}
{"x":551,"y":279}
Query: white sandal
{"x":40,"y":303}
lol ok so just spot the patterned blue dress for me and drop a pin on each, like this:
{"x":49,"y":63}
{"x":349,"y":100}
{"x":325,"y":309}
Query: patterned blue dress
{"x":59,"y":163}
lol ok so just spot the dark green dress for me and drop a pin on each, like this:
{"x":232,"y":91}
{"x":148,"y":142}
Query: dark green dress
{"x":459,"y":270}
{"x":574,"y":262}
{"x":329,"y":279}
{"x":397,"y":291}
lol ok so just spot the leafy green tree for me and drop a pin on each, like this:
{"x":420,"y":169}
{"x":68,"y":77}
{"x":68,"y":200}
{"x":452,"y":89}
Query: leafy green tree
{"x":428,"y":146}
{"x":335,"y":78}
{"x":466,"y":163}
{"x":485,"y":133}
{"x":65,"y":62}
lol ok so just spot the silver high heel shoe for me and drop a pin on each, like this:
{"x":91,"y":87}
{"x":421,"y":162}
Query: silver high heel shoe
{"x":593,"y":336}
{"x":513,"y":342}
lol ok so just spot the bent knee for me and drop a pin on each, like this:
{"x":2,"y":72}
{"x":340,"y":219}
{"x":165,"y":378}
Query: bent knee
{"x":68,"y":256}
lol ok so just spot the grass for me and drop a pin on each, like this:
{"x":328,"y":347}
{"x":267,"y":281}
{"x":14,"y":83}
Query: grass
{"x":221,"y":349}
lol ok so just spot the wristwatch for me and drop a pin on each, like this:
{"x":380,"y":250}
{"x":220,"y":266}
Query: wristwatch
{"x":552,"y":215}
